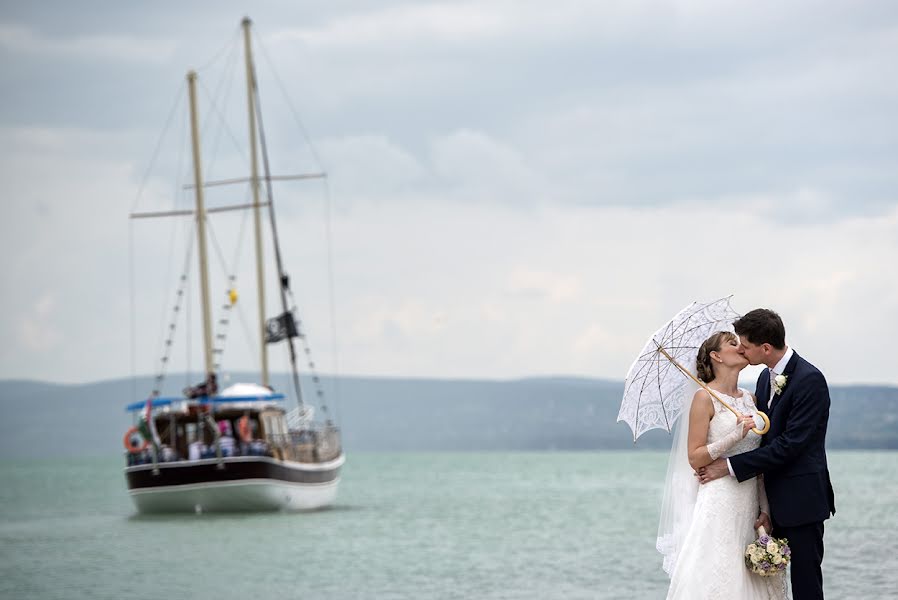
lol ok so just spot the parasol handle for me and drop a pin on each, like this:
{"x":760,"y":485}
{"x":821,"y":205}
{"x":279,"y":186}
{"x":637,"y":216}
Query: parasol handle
{"x":766,"y":426}
{"x":764,"y":417}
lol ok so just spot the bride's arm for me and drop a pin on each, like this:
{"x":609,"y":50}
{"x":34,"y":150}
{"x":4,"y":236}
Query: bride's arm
{"x":699,"y":421}
{"x":701,"y":453}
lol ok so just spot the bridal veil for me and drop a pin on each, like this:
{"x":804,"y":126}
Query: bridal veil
{"x":680,"y":488}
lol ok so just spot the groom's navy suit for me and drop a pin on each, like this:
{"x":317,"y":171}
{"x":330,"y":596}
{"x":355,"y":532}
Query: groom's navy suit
{"x":792,"y":458}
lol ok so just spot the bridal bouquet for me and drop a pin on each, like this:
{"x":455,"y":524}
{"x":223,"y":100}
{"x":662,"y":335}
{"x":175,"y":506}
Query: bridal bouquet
{"x":767,"y":555}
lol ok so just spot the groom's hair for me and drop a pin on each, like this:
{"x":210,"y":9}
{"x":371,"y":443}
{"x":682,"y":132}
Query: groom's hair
{"x":762,"y":326}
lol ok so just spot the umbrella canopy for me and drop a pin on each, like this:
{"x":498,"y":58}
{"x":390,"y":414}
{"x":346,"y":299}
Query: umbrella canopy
{"x":654,"y":393}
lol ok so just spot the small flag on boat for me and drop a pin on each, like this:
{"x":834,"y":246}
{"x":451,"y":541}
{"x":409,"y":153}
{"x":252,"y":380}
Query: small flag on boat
{"x":280,"y":328}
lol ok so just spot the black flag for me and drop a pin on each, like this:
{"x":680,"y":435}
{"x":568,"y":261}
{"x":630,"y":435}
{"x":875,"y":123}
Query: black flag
{"x":280,"y":328}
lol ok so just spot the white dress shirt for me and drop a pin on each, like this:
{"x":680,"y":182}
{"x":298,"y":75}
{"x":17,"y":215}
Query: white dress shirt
{"x":779,"y":367}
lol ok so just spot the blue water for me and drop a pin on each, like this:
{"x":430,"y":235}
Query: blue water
{"x":452,"y":525}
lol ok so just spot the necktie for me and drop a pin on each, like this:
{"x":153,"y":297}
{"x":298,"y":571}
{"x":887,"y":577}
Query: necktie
{"x":772,"y":387}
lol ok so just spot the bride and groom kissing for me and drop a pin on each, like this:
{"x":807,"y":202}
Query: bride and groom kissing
{"x":724,"y":481}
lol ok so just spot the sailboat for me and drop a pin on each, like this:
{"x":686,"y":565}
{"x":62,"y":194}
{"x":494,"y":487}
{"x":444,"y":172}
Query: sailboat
{"x":237,"y":448}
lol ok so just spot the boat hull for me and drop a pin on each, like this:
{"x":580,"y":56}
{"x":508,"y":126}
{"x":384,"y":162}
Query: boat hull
{"x":233,"y":484}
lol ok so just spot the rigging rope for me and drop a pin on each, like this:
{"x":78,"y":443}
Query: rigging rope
{"x":160,"y":376}
{"x":332,"y":299}
{"x":224,"y":322}
{"x":146,"y":176}
{"x":328,"y":215}
{"x":235,"y":38}
{"x":131,"y":258}
{"x":161,"y":347}
{"x":133,"y":302}
{"x":316,"y":380}
{"x":293,"y":110}
{"x":282,"y":276}
{"x":215,"y":111}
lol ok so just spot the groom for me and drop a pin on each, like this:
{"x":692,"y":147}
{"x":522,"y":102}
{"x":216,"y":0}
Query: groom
{"x":792,"y":456}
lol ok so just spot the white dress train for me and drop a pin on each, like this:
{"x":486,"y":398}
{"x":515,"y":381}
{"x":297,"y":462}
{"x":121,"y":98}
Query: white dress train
{"x":710,"y":564}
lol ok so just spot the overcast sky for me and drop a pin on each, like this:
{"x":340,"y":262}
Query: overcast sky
{"x":515,"y":188}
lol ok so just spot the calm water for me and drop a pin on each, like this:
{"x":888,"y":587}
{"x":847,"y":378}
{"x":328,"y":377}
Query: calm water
{"x":454,"y":525}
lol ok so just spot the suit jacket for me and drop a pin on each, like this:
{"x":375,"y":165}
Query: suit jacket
{"x":792,"y":455}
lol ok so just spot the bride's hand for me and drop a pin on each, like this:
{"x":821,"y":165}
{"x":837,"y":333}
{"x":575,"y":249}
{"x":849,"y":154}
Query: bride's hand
{"x":748,"y":423}
{"x":763,"y":520}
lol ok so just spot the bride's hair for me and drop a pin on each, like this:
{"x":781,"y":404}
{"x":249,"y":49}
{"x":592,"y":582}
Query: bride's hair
{"x":704,"y":367}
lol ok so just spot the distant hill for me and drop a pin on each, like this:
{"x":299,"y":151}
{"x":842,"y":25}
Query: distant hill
{"x":392,"y":414}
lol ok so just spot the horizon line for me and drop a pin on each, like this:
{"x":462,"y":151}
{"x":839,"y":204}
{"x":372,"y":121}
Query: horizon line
{"x":240,"y":373}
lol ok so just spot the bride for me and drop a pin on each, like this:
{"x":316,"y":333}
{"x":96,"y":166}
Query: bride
{"x":704,"y":529}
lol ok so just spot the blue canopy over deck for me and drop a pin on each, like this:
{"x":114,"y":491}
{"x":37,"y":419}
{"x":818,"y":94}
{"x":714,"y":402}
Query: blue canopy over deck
{"x":202,"y":400}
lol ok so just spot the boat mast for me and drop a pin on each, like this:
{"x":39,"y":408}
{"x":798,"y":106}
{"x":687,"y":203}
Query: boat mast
{"x":200,"y":225}
{"x":254,"y":182}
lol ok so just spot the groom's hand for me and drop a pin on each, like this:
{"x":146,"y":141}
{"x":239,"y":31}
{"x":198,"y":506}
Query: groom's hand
{"x":763,"y":520}
{"x":715,"y":470}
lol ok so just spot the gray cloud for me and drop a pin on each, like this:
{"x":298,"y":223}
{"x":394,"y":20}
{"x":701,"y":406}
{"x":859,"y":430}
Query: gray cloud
{"x":491,"y":166}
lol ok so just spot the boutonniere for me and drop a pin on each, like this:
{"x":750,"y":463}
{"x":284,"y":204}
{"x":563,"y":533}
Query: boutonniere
{"x":779,"y":384}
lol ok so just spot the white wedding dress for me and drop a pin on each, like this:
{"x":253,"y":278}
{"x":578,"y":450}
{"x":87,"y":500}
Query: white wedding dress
{"x":710,"y":563}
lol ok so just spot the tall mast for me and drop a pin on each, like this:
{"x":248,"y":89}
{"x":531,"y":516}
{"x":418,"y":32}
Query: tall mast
{"x":257,"y":210}
{"x":200,"y":224}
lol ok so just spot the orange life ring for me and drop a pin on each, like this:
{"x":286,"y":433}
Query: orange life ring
{"x":129,"y":439}
{"x":243,"y":429}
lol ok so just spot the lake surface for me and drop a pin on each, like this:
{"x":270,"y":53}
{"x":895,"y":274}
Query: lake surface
{"x":444,"y":525}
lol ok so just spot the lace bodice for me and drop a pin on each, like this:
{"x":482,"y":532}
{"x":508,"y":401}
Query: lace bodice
{"x":724,"y":421}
